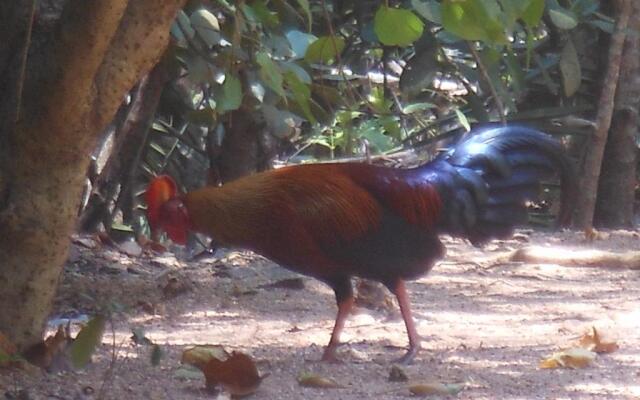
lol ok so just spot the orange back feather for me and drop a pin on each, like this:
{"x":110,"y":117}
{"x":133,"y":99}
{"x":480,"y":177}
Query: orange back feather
{"x":318,"y":197}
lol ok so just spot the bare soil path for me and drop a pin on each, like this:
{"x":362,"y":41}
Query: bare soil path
{"x":485,"y":323}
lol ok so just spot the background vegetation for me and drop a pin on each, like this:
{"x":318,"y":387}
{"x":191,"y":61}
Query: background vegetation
{"x":249,"y":84}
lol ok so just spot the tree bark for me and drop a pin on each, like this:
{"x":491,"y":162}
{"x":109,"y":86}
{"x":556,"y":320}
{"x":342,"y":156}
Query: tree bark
{"x":591,"y":167}
{"x":616,"y":189}
{"x":243,"y":151}
{"x":16,"y":20}
{"x":101,"y":50}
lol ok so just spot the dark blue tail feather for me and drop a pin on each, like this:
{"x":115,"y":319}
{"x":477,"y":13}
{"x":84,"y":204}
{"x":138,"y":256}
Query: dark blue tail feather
{"x":486,"y":180}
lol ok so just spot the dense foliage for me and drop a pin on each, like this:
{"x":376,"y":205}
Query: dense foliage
{"x":308,"y":80}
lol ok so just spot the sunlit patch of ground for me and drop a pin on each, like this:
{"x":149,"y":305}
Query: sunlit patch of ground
{"x":485,"y":322}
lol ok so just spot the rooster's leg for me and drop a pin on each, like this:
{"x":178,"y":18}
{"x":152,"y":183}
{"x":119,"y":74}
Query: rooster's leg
{"x":344,"y":298}
{"x":400,"y":291}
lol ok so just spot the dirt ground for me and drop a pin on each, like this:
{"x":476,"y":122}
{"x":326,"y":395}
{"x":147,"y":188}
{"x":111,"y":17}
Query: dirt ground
{"x":486,"y":324}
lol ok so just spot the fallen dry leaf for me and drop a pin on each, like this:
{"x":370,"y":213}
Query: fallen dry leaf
{"x":446,"y":389}
{"x":576,"y":357}
{"x":199,"y":356}
{"x":44,"y":353}
{"x":309,"y":379}
{"x":593,"y":341}
{"x":238,"y":374}
{"x":235,"y":372}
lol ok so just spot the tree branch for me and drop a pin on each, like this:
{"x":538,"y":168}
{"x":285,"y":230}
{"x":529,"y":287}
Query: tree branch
{"x":588,"y":183}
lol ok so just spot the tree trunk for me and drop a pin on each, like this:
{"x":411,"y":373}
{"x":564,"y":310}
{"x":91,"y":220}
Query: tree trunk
{"x":616,"y":189}
{"x":101,"y":50}
{"x":16,"y":19}
{"x":243,"y":151}
{"x":590,"y":174}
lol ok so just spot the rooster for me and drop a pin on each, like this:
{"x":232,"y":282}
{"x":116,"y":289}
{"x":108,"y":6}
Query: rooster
{"x":339,"y":220}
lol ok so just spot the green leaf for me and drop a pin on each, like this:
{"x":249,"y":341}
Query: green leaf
{"x":304,"y":4}
{"x":373,"y":133}
{"x":267,"y":17}
{"x":508,"y":14}
{"x":281,"y":123}
{"x":231,"y":96}
{"x":121,"y":227}
{"x":391,"y":126}
{"x":182,"y":28}
{"x":380,"y":104}
{"x":207,"y":26}
{"x":417,"y":107}
{"x":88,"y":339}
{"x":270,"y":73}
{"x":199,"y":70}
{"x":301,"y":94}
{"x":420,"y":71}
{"x":478,"y":110}
{"x":299,"y":42}
{"x":325,"y":49}
{"x":570,"y":69}
{"x":585,"y":8}
{"x":470,"y":20}
{"x":533,"y":13}
{"x":515,"y":72}
{"x":605,"y":26}
{"x":397,"y":26}
{"x":563,"y":19}
{"x":429,"y":10}
{"x":302,"y":73}
{"x":463,"y":119}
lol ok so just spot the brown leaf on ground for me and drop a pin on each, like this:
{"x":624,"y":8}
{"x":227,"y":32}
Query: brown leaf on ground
{"x":235,"y":372}
{"x":44,"y":353}
{"x":309,"y":379}
{"x":593,"y":341}
{"x":576,"y":357}
{"x":238,"y":374}
{"x":437,"y":388}
{"x":199,"y":356}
